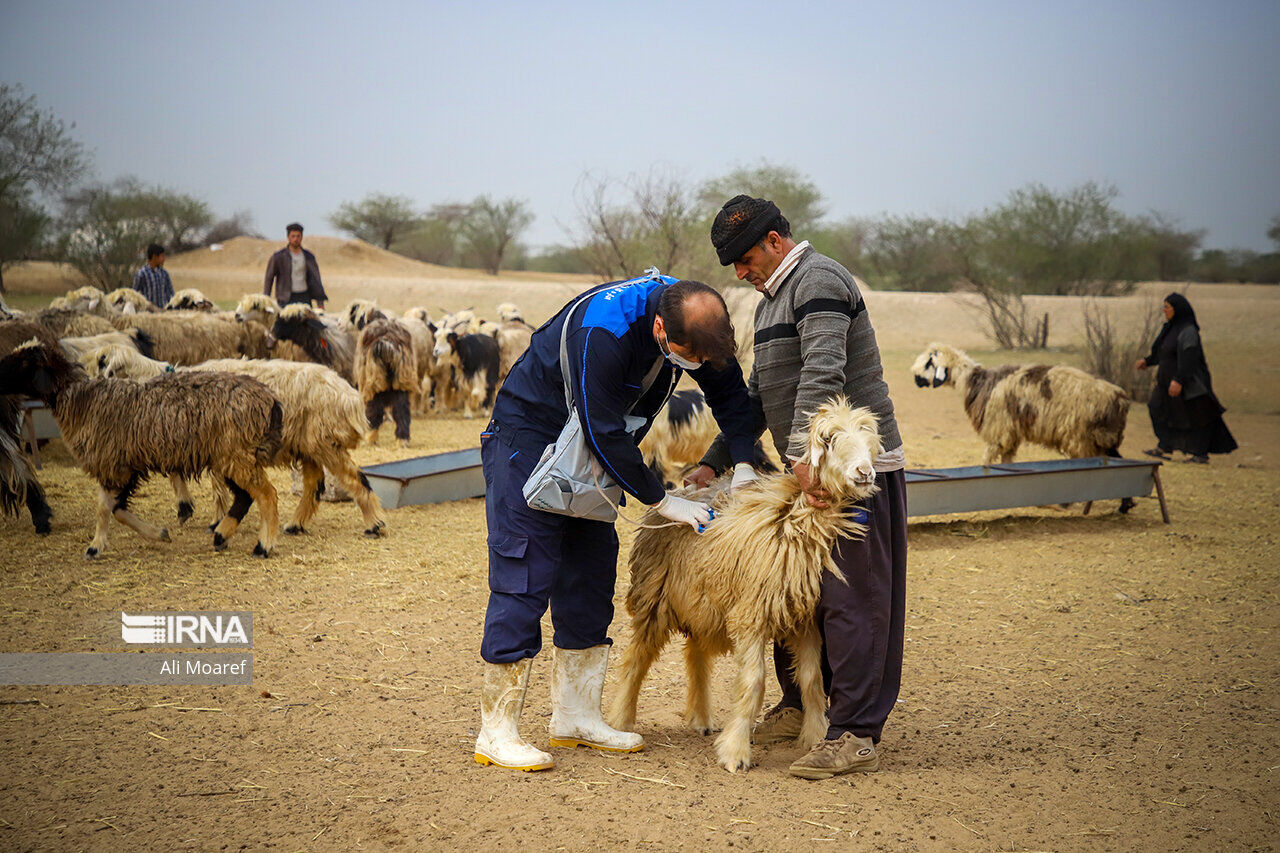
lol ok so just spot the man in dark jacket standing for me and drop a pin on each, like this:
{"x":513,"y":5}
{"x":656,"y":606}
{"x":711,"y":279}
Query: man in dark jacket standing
{"x":293,"y":274}
{"x":814,"y":341}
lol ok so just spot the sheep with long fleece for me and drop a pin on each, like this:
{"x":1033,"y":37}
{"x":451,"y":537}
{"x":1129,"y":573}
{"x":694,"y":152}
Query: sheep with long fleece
{"x":473,"y":367}
{"x":681,"y":434}
{"x":190,"y":299}
{"x":308,"y":337}
{"x":18,"y":482}
{"x":513,"y":337}
{"x":258,"y":307}
{"x":126,"y":300}
{"x":386,"y":370}
{"x":66,"y":322}
{"x":753,"y":577}
{"x":88,"y":299}
{"x":185,"y":424}
{"x":423,"y":332}
{"x":1055,"y":406}
{"x":134,"y":339}
{"x":324,"y":420}
{"x":190,"y":337}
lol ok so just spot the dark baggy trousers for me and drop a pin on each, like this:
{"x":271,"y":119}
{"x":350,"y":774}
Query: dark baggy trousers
{"x":862,"y":622}
{"x":538,"y":558}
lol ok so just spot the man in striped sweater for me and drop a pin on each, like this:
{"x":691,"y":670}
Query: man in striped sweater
{"x":813,"y":341}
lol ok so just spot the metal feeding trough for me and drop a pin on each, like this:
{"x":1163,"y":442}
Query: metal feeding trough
{"x":936,"y":491}
{"x":440,"y":477}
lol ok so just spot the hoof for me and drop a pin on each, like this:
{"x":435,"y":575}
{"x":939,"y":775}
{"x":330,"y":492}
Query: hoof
{"x":377,"y":530}
{"x":404,"y":443}
{"x":213,"y":528}
{"x":294,"y":530}
{"x":259,"y":551}
{"x":1126,"y":505}
{"x":164,"y":535}
{"x":43,"y":529}
{"x":219,"y":543}
{"x":704,"y":728}
{"x":185,"y":511}
{"x":91,"y":553}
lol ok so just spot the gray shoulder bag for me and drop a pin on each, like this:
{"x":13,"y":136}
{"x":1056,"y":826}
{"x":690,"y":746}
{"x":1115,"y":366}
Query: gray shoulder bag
{"x":568,"y":479}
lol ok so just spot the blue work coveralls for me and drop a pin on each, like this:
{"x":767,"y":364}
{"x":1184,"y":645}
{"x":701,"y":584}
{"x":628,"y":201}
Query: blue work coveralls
{"x":538,"y":558}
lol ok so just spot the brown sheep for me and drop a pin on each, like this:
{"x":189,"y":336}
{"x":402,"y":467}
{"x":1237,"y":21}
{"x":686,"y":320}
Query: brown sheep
{"x":190,"y":337}
{"x":66,"y":323}
{"x":324,"y":420}
{"x":18,"y":482}
{"x":176,"y":424}
{"x":753,"y":577}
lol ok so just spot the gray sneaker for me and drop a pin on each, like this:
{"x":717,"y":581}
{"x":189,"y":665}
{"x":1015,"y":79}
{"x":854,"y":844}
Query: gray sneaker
{"x":847,"y":754}
{"x":780,"y":724}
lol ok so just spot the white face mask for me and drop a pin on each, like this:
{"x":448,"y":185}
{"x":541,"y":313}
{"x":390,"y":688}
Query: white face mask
{"x":678,"y":361}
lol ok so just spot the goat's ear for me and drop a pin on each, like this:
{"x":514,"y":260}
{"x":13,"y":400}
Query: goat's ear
{"x":939,"y":376}
{"x":817,"y":448}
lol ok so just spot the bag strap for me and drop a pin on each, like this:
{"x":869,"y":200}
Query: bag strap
{"x":649,"y":378}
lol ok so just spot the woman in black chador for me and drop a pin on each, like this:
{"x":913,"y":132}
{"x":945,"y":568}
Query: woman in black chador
{"x":1185,"y":414}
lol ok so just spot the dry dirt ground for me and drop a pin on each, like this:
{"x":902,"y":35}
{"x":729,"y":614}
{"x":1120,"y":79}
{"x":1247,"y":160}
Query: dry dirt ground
{"x":1071,"y":683}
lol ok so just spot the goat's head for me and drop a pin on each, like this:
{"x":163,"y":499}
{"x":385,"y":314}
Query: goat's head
{"x":126,"y":300}
{"x":362,"y":312}
{"x":35,"y":370}
{"x":299,"y":324}
{"x":258,"y":306}
{"x":842,"y":442}
{"x":419,"y":313}
{"x":444,"y":342}
{"x":509,"y":313}
{"x":88,"y":299}
{"x":936,"y":366}
{"x":190,"y":299}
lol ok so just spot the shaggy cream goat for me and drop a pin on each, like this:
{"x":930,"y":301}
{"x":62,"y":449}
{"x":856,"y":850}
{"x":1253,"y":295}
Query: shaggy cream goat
{"x":134,"y":339}
{"x":190,"y":337}
{"x":190,"y":299}
{"x":754,"y":576}
{"x":386,"y":370}
{"x":126,"y":300}
{"x":176,"y":424}
{"x":1059,"y":407}
{"x":324,"y":420}
{"x":423,"y":333}
{"x":681,"y":434}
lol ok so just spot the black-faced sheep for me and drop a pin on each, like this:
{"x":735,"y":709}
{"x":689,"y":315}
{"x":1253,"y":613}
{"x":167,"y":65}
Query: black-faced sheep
{"x":301,"y":334}
{"x":177,"y":424}
{"x":681,"y":434}
{"x":753,"y":577}
{"x":1055,"y":406}
{"x":324,"y":420}
{"x":386,"y":370}
{"x":473,"y":361}
{"x":18,"y":482}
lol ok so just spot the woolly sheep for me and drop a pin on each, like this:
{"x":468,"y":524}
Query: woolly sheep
{"x":18,"y":482}
{"x":753,"y":577}
{"x":1056,"y":406}
{"x":306,"y":336}
{"x":324,"y":420}
{"x":386,"y":371}
{"x":183,"y":424}
{"x":680,"y":436}
{"x":190,"y":299}
{"x":190,"y":337}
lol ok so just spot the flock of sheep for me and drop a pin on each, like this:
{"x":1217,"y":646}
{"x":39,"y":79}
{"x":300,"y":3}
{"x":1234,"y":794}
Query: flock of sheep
{"x":189,"y":389}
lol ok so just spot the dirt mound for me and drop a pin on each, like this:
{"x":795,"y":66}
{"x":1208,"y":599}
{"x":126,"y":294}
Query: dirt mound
{"x":341,"y":257}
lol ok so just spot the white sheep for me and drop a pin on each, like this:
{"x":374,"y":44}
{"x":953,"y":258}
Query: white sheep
{"x":753,"y":577}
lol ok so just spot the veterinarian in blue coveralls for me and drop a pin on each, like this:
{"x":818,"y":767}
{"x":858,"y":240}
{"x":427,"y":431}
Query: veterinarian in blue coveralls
{"x":616,"y":339}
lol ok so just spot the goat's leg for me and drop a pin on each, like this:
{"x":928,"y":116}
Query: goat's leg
{"x":264,"y":493}
{"x":698,"y":662}
{"x":375,"y":411}
{"x":226,"y":527}
{"x":221,"y":500}
{"x":806,"y":653}
{"x":400,"y":414}
{"x":312,"y":475}
{"x":106,"y":504}
{"x":122,"y":514}
{"x":733,"y":746}
{"x":345,"y":471}
{"x":38,"y":506}
{"x":186,"y":506}
{"x":646,"y":643}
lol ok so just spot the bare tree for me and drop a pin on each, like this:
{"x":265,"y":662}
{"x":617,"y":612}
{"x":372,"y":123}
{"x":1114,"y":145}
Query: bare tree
{"x":492,"y":227}
{"x":1111,"y":354}
{"x":37,"y":156}
{"x":796,"y":195}
{"x":378,"y":219}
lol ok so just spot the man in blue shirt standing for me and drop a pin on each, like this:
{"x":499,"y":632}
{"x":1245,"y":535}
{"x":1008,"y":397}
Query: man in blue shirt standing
{"x":152,"y":281}
{"x":651,"y":328}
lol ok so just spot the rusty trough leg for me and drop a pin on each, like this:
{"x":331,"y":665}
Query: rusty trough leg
{"x":1164,"y":508}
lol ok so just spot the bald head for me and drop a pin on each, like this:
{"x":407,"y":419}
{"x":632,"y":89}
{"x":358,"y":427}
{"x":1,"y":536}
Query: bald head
{"x":696,"y":318}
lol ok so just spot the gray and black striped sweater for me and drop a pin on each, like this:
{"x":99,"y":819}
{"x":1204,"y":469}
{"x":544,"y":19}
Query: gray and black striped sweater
{"x":813,"y":340}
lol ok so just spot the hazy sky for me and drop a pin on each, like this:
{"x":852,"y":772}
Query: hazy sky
{"x":931,"y":108}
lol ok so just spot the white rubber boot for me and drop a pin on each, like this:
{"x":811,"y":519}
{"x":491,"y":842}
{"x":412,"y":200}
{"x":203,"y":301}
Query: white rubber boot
{"x":577,"y":679}
{"x":499,"y":742}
